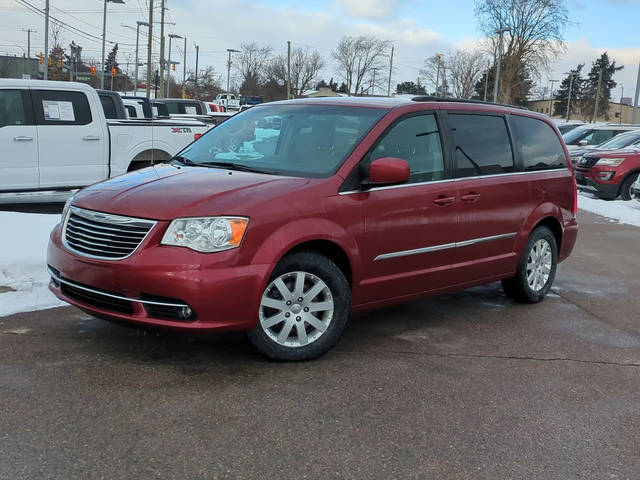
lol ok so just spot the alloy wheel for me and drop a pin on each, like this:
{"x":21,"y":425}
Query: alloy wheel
{"x":539,"y":265}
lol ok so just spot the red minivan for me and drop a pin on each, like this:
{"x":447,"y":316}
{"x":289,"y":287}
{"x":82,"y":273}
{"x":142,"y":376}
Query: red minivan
{"x":287,"y":217}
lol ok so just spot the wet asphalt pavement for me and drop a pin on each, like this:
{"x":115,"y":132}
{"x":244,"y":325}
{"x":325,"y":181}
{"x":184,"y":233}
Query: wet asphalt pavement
{"x":468,"y":386}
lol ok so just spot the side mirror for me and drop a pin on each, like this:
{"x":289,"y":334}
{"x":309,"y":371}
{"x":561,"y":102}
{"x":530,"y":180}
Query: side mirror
{"x":583,"y":143}
{"x":388,"y":171}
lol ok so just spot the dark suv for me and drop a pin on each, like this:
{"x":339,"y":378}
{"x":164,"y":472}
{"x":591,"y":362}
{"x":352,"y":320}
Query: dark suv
{"x":285,"y":218}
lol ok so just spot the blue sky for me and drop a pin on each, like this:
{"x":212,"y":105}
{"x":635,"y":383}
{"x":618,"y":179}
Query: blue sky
{"x":418,"y":29}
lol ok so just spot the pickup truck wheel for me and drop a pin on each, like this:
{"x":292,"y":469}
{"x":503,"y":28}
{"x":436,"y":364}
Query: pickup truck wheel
{"x":304,"y":309}
{"x":138,"y":165}
{"x":536,"y":270}
{"x":627,"y":186}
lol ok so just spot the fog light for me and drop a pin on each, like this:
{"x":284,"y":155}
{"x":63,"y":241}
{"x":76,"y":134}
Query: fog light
{"x":185,"y":312}
{"x":605,"y":175}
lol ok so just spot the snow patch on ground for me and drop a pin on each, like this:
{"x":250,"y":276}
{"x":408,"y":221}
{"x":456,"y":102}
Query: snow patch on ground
{"x":23,"y":262}
{"x":619,"y":210}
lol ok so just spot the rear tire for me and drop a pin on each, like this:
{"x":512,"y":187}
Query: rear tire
{"x":304,"y":309}
{"x":536,"y":269}
{"x":625,"y":190}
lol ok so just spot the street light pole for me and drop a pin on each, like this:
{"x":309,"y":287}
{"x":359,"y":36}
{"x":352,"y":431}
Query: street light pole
{"x":500,"y":32}
{"x":104,"y":35}
{"x":46,"y":41}
{"x":135,"y":88}
{"x":551,"y":98}
{"x":169,"y":62}
{"x":230,"y":50}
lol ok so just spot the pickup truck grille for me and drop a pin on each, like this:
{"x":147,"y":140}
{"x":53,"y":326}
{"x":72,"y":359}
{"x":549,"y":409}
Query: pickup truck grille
{"x":104,"y":235}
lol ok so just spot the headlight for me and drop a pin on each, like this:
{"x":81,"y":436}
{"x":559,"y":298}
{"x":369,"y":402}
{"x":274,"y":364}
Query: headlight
{"x":610,"y":162}
{"x":206,"y":234}
{"x":65,"y":210}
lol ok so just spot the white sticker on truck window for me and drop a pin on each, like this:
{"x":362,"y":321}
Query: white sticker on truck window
{"x":190,"y":110}
{"x":57,"y":110}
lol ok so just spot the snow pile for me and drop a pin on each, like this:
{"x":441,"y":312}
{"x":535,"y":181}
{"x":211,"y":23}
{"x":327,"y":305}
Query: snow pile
{"x":23,"y":262}
{"x":623,"y":212}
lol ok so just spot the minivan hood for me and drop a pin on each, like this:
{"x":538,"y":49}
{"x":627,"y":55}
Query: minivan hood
{"x":165,"y":192}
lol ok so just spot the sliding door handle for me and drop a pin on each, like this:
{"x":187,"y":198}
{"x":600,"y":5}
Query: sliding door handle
{"x":470,"y":197}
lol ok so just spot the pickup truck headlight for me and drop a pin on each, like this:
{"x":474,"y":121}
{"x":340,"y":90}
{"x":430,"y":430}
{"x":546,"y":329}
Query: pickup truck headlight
{"x":206,"y":234}
{"x":610,"y":162}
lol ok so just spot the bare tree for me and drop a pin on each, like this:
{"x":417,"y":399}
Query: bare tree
{"x":358,"y":58}
{"x":465,"y":69}
{"x":252,"y":64}
{"x":432,"y":74}
{"x":305,"y":66}
{"x":534,"y":36}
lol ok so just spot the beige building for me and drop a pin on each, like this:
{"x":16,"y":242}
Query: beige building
{"x":618,"y":112}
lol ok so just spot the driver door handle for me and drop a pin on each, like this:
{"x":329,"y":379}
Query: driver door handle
{"x":470,"y":197}
{"x":442,"y":200}
{"x":22,"y":139}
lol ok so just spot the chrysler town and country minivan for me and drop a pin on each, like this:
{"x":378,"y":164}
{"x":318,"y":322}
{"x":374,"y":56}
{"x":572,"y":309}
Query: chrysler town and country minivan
{"x":291,"y":215}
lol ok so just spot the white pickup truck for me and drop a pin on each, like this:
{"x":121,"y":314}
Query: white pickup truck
{"x":54,"y":136}
{"x":229,"y":100}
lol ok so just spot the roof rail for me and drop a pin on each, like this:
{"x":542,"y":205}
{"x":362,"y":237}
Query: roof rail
{"x":429,"y":98}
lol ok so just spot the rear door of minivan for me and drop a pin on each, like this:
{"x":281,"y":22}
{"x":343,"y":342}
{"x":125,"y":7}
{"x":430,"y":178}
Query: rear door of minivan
{"x":494,"y":195}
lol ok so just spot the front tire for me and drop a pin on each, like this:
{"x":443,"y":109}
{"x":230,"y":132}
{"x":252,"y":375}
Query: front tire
{"x":536,"y":270}
{"x":625,"y":190}
{"x":304,"y":308}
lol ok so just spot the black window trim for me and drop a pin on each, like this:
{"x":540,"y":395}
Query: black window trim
{"x":38,"y":91}
{"x":27,"y":107}
{"x":518,"y":153}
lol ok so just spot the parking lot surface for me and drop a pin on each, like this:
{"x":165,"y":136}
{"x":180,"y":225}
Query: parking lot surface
{"x":467,"y":385}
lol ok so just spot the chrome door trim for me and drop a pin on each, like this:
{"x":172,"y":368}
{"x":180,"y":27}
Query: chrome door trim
{"x":445,"y":246}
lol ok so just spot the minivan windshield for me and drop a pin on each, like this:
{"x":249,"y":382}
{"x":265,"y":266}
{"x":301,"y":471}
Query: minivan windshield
{"x":620,"y":141}
{"x":298,"y":140}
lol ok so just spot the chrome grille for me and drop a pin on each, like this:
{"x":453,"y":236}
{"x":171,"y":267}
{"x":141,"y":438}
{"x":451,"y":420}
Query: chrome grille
{"x":104,"y":235}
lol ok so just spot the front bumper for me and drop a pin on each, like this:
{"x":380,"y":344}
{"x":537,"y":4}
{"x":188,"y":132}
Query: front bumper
{"x":586,"y":183}
{"x":157,"y":284}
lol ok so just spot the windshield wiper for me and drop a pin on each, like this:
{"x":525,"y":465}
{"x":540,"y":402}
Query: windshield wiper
{"x":235,"y":166}
{"x":184,"y":160}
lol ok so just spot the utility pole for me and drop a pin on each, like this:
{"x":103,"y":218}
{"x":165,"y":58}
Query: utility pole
{"x":46,"y":41}
{"x":135,"y":87}
{"x":595,"y":110}
{"x":195,"y":82}
{"x":230,"y":50}
{"x":621,"y":97}
{"x":184,"y":69}
{"x":438,"y":64}
{"x":390,"y":70}
{"x":162,"y":8}
{"x":571,"y":74}
{"x":288,"y":69}
{"x":486,"y":81}
{"x":551,"y":98}
{"x":634,"y":118}
{"x":373,"y":85}
{"x":149,"y":48}
{"x":500,"y":32}
{"x":29,"y":32}
{"x":169,"y":64}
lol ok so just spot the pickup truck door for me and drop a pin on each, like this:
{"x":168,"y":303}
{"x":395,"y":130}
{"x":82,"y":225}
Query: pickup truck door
{"x":72,"y":138}
{"x":19,"y":141}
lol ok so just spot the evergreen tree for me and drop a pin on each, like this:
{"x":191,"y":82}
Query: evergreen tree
{"x":561,"y":98}
{"x":111,"y":61}
{"x":410,"y":88}
{"x":588,"y":98}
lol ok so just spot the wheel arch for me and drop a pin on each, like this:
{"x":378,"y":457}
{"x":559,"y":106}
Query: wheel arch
{"x":553,"y":224}
{"x":148,"y":157}
{"x":329,"y":249}
{"x":635,"y":171}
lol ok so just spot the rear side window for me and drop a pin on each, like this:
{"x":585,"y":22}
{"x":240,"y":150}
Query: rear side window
{"x":109,"y":107}
{"x":53,"y":107}
{"x":12,"y":111}
{"x":600,"y":136}
{"x":538,"y":144}
{"x":131,"y":110}
{"x":415,"y":139}
{"x":482,"y":145}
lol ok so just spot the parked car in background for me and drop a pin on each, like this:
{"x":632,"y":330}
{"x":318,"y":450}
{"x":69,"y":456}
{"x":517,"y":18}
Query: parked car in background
{"x":229,"y":100}
{"x":622,"y":140}
{"x":55,"y":137}
{"x":213,"y":108}
{"x":288,"y":216}
{"x":112,"y":105}
{"x":564,"y":126}
{"x":609,"y":174}
{"x":251,"y":100}
{"x":592,"y":135}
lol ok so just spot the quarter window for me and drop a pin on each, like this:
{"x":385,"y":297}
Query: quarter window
{"x":58,"y":107}
{"x":11,"y":108}
{"x":415,"y":139}
{"x":109,"y":107}
{"x":482,"y":145}
{"x":538,"y":144}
